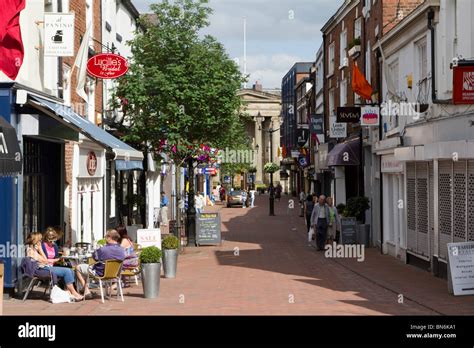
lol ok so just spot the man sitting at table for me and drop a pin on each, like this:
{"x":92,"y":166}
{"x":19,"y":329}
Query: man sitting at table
{"x":111,"y":251}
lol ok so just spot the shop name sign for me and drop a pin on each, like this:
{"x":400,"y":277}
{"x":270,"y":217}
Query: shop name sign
{"x":369,"y":116}
{"x":91,"y":163}
{"x":59,"y":34}
{"x":336,"y":129}
{"x":348,"y":114}
{"x":463,"y":85}
{"x":107,"y":66}
{"x":317,"y":124}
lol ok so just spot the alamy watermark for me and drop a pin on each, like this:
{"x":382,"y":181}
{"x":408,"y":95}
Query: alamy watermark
{"x":403,"y":109}
{"x":345,"y":251}
{"x":9,"y":250}
{"x":236,"y":156}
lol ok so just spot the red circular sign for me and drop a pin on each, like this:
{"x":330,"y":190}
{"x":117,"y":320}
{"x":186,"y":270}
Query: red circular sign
{"x":91,"y":163}
{"x":107,"y":66}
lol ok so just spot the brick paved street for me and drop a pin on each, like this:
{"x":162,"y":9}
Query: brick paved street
{"x":265,"y":266}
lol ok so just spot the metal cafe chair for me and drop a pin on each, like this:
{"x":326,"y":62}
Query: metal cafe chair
{"x":112,"y":272}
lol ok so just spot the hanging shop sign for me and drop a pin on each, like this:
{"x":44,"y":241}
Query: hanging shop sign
{"x":369,"y":116}
{"x":295,"y":153}
{"x":210,"y":171}
{"x":303,"y":136}
{"x":59,"y":34}
{"x":107,"y":66}
{"x":348,"y":114}
{"x":317,"y":124}
{"x":463,"y":85}
{"x":303,"y":162}
{"x":337,"y":129}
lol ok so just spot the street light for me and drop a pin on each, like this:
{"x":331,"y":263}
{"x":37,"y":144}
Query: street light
{"x":272,"y":189}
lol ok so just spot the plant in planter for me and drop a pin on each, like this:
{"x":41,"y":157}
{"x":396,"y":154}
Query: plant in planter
{"x":150,"y":260}
{"x":356,"y":207}
{"x":271,"y":167}
{"x":170,"y":247}
{"x":354,"y":47}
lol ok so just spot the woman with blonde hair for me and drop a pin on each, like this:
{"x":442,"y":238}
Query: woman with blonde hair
{"x":35,"y":251}
{"x":334,"y":221}
{"x":49,"y":246}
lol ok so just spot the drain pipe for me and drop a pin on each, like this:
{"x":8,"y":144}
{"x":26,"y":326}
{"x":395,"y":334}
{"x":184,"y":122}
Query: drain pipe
{"x":434,"y":92}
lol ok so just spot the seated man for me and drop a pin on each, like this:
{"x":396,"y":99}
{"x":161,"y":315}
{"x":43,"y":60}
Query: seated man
{"x":111,"y":251}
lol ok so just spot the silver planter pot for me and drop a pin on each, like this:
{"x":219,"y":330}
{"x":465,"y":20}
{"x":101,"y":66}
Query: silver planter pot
{"x":170,"y":262}
{"x":151,"y":273}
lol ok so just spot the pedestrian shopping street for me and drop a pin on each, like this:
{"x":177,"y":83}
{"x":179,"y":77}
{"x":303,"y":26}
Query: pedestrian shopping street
{"x":265,"y":267}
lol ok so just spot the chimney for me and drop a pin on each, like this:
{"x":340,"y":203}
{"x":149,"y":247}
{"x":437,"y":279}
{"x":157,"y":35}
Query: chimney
{"x":257,"y":86}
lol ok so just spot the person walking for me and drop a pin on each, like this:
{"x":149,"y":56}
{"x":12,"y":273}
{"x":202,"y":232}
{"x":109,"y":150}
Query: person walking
{"x":334,"y":221}
{"x":199,"y":202}
{"x":278,"y":190}
{"x":252,"y":198}
{"x":163,"y":217}
{"x":308,"y":210}
{"x":244,"y":199}
{"x":319,"y":221}
{"x":302,"y":201}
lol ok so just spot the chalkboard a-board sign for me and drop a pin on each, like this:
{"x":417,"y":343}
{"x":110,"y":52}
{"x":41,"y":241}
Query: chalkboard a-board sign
{"x":208,"y":229}
{"x":348,"y":231}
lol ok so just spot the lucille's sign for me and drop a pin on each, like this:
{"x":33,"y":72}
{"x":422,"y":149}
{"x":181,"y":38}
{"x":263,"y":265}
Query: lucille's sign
{"x":91,"y":163}
{"x":107,"y":66}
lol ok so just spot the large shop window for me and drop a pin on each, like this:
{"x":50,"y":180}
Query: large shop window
{"x":456,"y":203}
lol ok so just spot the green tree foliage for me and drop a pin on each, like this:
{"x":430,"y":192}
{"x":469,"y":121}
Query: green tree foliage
{"x":181,"y":88}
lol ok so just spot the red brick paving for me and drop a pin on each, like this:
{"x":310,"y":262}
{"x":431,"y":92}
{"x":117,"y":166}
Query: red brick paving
{"x":265,"y":266}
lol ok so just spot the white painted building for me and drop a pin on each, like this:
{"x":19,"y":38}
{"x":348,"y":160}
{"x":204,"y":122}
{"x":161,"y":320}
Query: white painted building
{"x":427,"y":156}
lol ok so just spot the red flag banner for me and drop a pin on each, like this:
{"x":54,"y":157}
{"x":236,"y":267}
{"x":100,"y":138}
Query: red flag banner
{"x":11,"y":44}
{"x":360,"y":85}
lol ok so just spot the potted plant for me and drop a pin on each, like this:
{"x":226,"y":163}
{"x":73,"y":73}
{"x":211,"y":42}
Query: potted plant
{"x":354,"y":47}
{"x":150,"y":260}
{"x":170,"y":247}
{"x":356,"y":207}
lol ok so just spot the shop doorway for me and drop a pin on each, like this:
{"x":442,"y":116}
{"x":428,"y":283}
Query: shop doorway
{"x":43,"y":201}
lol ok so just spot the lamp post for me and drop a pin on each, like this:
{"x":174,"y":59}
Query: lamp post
{"x":272,"y":189}
{"x":191,"y":212}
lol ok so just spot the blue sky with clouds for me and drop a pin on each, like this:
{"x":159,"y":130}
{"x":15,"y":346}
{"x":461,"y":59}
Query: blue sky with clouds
{"x":279,"y":32}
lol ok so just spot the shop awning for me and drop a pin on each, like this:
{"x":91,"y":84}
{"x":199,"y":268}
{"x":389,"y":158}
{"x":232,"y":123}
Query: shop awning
{"x":123,"y":152}
{"x":345,"y":154}
{"x":10,"y":154}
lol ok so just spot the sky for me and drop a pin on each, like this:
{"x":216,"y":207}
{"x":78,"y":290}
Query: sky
{"x":279,"y":33}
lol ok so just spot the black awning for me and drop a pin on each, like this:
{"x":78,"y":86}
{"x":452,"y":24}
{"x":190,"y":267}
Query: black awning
{"x":10,"y":154}
{"x":345,"y":154}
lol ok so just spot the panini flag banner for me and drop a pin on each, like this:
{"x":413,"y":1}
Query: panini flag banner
{"x":360,"y":85}
{"x":12,"y":51}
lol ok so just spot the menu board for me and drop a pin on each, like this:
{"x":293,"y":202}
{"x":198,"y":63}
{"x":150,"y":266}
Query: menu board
{"x":348,"y":231}
{"x":208,"y":229}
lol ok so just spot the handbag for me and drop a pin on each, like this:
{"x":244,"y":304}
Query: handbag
{"x":60,"y":296}
{"x":310,"y":234}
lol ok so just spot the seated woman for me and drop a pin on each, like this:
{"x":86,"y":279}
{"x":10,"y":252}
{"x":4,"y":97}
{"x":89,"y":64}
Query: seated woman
{"x":131,"y":258}
{"x":35,"y":251}
{"x":49,"y":246}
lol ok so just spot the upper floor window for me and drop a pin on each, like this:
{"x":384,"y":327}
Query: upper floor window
{"x":331,"y":58}
{"x":343,"y":47}
{"x":358,"y":28}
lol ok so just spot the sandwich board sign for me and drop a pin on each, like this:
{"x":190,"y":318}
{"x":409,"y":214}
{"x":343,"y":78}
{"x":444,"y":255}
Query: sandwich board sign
{"x":461,"y":268}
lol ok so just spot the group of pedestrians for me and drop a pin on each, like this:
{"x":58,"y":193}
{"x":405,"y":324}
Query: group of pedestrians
{"x":322,"y":220}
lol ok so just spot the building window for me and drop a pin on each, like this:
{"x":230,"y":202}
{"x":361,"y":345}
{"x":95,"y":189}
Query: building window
{"x":358,"y":28}
{"x":343,"y":46}
{"x":66,"y":85}
{"x":332,"y":109}
{"x":422,"y":60}
{"x":90,"y":19}
{"x":331,"y":58}
{"x":368,"y":65}
{"x":343,"y":90}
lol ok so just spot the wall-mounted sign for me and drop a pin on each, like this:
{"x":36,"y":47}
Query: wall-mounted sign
{"x":336,"y":129}
{"x":227,"y":179}
{"x":107,"y":66}
{"x":59,"y":34}
{"x":317,"y":124}
{"x":369,"y":115}
{"x":391,"y":165}
{"x":303,"y":162}
{"x":91,"y":163}
{"x":210,"y":171}
{"x":463,"y":85}
{"x":295,"y":154}
{"x":348,"y":114}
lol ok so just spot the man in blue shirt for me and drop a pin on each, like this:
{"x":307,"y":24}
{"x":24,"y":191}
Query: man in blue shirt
{"x":111,"y":251}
